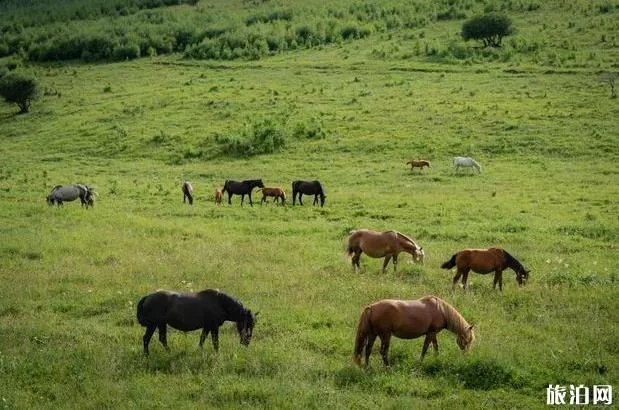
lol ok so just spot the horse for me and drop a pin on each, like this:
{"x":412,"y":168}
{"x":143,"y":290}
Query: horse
{"x":465,"y":162}
{"x":409,"y":319}
{"x":308,"y":188}
{"x":241,"y":188}
{"x":67,"y":193}
{"x":418,"y":163}
{"x":277,"y":193}
{"x":187,"y":192}
{"x":206,"y":310}
{"x":218,"y":196}
{"x":485,"y":261}
{"x":378,"y":244}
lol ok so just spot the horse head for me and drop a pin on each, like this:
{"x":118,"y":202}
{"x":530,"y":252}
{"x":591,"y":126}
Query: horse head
{"x":245,"y":326}
{"x":419,"y":255}
{"x":522,"y":276}
{"x":466,"y":338}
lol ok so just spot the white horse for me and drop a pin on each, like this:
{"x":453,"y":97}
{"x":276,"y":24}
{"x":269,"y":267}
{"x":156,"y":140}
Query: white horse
{"x":466,"y":162}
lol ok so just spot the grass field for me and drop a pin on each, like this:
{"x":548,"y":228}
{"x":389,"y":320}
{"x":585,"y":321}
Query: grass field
{"x":545,"y":134}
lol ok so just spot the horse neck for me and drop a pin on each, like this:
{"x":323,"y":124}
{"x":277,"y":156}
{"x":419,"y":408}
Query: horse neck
{"x":234,"y":310}
{"x":512,"y":262}
{"x":454,"y":321}
{"x":407,"y":245}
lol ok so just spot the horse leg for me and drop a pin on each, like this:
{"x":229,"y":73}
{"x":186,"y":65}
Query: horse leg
{"x":368,"y":348}
{"x":229,"y":198}
{"x":386,"y":262}
{"x":163,"y":329}
{"x":465,"y":276}
{"x":426,"y":343}
{"x":395,"y":262}
{"x":499,"y":274}
{"x":300,"y":196}
{"x":455,"y":280}
{"x":384,"y":348}
{"x":203,"y":336}
{"x":355,"y":260}
{"x":264,"y":198}
{"x":435,"y":342}
{"x":250,"y":202}
{"x":215,"y":338}
{"x":242,"y":199}
{"x":315,"y":200}
{"x":149,"y":333}
{"x":496,"y":280}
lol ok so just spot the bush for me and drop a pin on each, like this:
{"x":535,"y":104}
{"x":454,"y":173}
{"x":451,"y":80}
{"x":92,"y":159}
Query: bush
{"x":489,"y":28}
{"x":18,"y":89}
{"x":261,"y":137}
{"x":126,"y":52}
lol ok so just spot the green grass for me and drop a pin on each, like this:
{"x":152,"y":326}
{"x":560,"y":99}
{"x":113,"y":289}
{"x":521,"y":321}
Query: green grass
{"x":545,"y":136}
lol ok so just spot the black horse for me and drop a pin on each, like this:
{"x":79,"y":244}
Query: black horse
{"x":241,"y":188}
{"x":308,"y":188}
{"x":206,"y":310}
{"x":187,"y":192}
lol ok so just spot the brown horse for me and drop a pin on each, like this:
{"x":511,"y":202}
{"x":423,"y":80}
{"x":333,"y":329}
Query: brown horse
{"x":218,"y":196}
{"x":386,"y":244}
{"x":409,"y":319}
{"x":485,"y":261}
{"x":278,"y":193}
{"x":418,"y":163}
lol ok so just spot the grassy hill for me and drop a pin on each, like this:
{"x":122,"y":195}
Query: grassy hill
{"x":349,"y":112}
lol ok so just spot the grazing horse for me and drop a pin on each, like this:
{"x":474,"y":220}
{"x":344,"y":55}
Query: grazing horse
{"x":187,"y":192}
{"x":277,"y":193}
{"x":418,"y":163}
{"x":241,"y":188}
{"x":67,"y":193}
{"x":465,"y":162}
{"x":409,"y":319}
{"x":308,"y":188}
{"x":218,"y":196}
{"x":206,"y":310}
{"x":386,"y":244}
{"x":485,"y":261}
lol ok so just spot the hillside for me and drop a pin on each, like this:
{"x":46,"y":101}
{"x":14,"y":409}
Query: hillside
{"x":344,"y":93}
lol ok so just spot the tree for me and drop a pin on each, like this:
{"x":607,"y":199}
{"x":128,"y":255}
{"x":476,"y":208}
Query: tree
{"x":489,"y":28}
{"x":18,"y":89}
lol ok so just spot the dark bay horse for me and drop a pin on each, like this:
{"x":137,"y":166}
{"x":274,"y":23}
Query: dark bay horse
{"x":67,"y":193}
{"x":206,"y":310}
{"x":485,"y":261}
{"x":409,"y":319}
{"x":241,"y":188}
{"x":386,"y":244}
{"x":187,"y":192}
{"x":308,"y":188}
{"x":418,"y":163}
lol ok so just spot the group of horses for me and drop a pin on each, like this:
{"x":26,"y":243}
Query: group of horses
{"x":242,"y":188}
{"x":457,"y":162}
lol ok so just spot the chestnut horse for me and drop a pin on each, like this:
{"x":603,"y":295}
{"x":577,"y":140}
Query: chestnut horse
{"x":418,"y":163}
{"x":409,"y":319}
{"x":485,"y":261}
{"x":386,"y":244}
{"x":218,"y":196}
{"x":277,"y":193}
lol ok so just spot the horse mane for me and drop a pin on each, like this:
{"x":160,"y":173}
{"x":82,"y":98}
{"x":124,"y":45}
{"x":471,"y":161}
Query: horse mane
{"x":513,"y":262}
{"x":455,"y":321}
{"x":229,"y":304}
{"x":407,"y":238}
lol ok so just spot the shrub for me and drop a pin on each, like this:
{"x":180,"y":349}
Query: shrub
{"x":18,"y":89}
{"x":489,"y":28}
{"x":126,"y":52}
{"x":261,"y":137}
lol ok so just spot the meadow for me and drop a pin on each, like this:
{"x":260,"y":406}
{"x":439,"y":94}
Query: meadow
{"x":349,"y":113}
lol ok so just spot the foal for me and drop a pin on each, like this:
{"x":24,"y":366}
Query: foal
{"x":418,"y":163}
{"x":278,"y":193}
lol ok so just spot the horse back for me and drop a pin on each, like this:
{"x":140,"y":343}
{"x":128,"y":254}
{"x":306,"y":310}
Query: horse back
{"x":406,"y":319}
{"x":481,"y":260}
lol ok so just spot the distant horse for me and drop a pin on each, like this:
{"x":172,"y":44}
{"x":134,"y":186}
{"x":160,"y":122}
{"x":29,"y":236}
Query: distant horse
{"x":386,"y":244}
{"x":418,"y":163}
{"x":409,"y":319}
{"x":276,"y":193}
{"x":218,"y":196}
{"x":67,"y":193}
{"x":308,"y":188}
{"x":466,"y":162}
{"x":206,"y":310}
{"x":485,"y":261}
{"x":187,"y":192}
{"x":241,"y":188}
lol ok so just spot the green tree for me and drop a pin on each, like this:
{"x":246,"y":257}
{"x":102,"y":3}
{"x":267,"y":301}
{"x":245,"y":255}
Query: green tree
{"x":489,"y":28}
{"x":18,"y":89}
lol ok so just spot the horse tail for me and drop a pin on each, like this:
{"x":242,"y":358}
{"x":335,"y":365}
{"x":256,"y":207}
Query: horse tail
{"x":363,"y":330}
{"x":141,"y":314}
{"x":353,"y":243}
{"x":450,"y":263}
